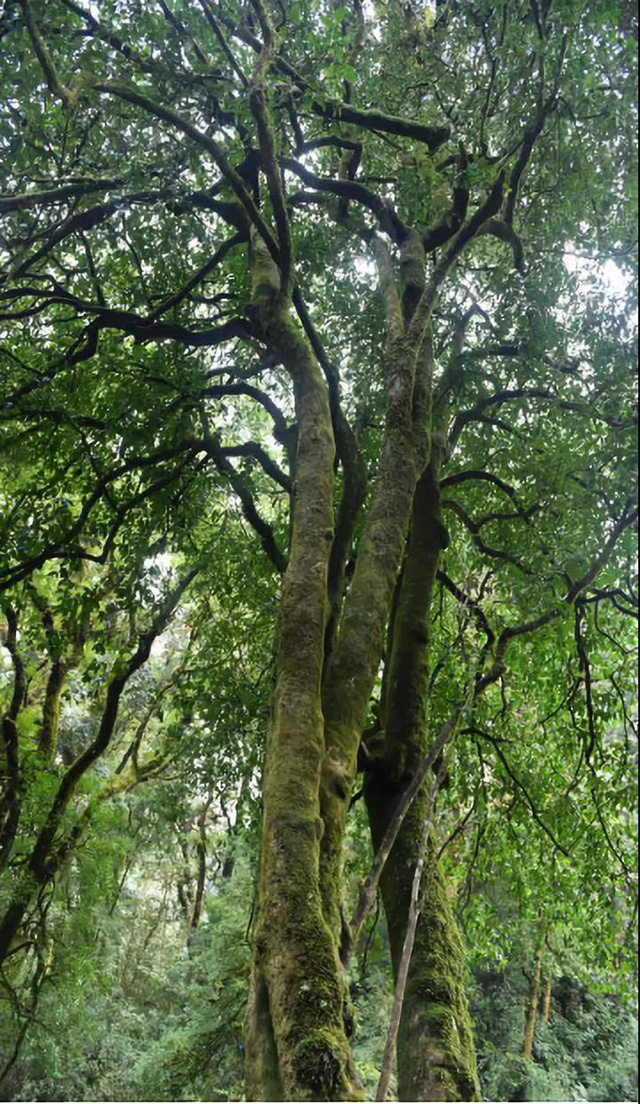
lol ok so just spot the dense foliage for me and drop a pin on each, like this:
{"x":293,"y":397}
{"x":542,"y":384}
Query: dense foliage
{"x":207,"y":485}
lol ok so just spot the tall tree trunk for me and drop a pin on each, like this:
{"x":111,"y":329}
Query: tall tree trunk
{"x":296,"y":1037}
{"x":532,"y":1007}
{"x":436,"y":1056}
{"x":355,"y":660}
{"x":296,"y":1047}
{"x":546,"y":1000}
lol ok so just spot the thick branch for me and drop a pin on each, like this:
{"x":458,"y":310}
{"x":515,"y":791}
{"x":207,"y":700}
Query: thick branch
{"x":465,"y":476}
{"x":387,"y":218}
{"x":251,"y":448}
{"x":367,"y":118}
{"x":55,"y":195}
{"x":464,"y":236}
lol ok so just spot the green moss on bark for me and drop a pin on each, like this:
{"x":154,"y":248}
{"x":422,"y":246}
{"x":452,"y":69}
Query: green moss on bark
{"x":361,"y":635}
{"x":295,"y":1019}
{"x":436,"y":1055}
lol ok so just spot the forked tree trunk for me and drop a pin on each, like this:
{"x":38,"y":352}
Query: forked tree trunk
{"x":297,"y":1044}
{"x":297,"y":1041}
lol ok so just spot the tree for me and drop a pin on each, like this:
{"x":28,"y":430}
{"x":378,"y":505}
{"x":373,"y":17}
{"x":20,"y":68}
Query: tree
{"x":316,"y":261}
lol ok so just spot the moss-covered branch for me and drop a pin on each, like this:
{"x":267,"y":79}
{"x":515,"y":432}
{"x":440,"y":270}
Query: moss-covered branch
{"x":258,"y":100}
{"x":56,"y":87}
{"x":173,"y":118}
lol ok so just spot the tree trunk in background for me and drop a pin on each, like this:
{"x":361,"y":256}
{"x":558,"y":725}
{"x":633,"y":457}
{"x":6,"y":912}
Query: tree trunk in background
{"x":436,"y":1056}
{"x":532,"y":1008}
{"x":546,"y":1002}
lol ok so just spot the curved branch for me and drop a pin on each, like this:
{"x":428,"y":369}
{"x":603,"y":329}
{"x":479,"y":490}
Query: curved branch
{"x":54,"y":195}
{"x":281,"y":429}
{"x":56,"y":87}
{"x":502,"y":230}
{"x":148,"y":329}
{"x":387,"y":218}
{"x":464,"y":236}
{"x":251,"y":448}
{"x":470,"y":603}
{"x":464,"y":476}
{"x":439,"y":234}
{"x":474,"y":528}
{"x":199,"y":276}
{"x":367,"y":118}
{"x":70,"y":780}
{"x":534,"y":812}
{"x":168,"y":115}
{"x":249,"y":509}
{"x":628,"y":519}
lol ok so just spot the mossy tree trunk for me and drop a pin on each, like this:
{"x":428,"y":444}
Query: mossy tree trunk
{"x":531,"y":1015}
{"x":297,"y":1039}
{"x":296,"y":1044}
{"x":298,"y":1017}
{"x":435,"y":1052}
{"x":546,"y":1000}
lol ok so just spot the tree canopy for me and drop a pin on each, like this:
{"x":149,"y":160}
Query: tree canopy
{"x":317,"y":516}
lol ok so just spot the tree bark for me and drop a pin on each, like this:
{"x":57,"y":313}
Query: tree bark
{"x":296,"y":1047}
{"x":546,"y":1001}
{"x":355,"y":659}
{"x":436,"y":1056}
{"x":298,"y":1010}
{"x":51,"y":710}
{"x":532,"y":1007}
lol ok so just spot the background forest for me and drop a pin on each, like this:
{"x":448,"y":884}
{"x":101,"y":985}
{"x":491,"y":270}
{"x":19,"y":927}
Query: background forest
{"x":197,"y":198}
